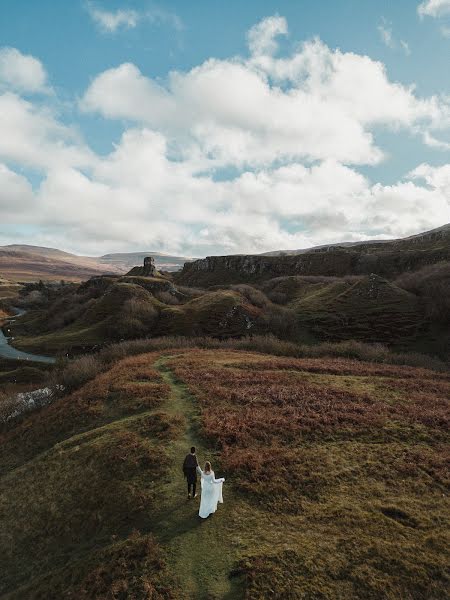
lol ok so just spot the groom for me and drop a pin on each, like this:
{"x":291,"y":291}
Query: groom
{"x":190,"y":465}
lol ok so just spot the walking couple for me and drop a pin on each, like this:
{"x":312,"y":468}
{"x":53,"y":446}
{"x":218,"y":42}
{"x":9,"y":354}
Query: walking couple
{"x":211,"y":487}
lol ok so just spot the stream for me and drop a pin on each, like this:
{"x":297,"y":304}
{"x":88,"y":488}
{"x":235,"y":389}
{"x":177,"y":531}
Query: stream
{"x":7,"y":351}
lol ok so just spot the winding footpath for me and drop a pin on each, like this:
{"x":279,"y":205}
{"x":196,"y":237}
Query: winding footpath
{"x":201,"y":552}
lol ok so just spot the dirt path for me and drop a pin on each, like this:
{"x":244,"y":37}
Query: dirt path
{"x":201,"y":552}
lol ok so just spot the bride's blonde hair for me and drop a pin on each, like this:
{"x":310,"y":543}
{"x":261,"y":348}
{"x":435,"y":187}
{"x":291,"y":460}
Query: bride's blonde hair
{"x":207,"y":466}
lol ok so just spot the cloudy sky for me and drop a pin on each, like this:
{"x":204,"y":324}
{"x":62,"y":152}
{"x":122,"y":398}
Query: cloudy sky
{"x":214,"y":127}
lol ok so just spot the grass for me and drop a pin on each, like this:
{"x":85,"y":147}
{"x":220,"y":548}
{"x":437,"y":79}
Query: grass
{"x":341,"y":480}
{"x":201,"y":552}
{"x":93,"y":501}
{"x":369,"y":309}
{"x":336,"y":482}
{"x":79,"y":491}
{"x":303,"y":310}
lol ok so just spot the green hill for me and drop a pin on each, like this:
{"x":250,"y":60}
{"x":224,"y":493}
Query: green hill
{"x":409,"y":314}
{"x":370,"y":309}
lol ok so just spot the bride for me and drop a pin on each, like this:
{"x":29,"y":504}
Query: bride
{"x":211,"y":491}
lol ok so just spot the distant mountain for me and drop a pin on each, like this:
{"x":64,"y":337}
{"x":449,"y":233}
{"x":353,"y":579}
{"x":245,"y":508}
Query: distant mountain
{"x":437,"y":231}
{"x":387,"y":259}
{"x":22,"y":262}
{"x":127,"y":260}
{"x":19,"y":265}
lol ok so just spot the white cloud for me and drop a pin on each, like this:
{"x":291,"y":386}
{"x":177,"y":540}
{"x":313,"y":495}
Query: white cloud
{"x":261,"y":37}
{"x":386,"y":35}
{"x":293,"y":129}
{"x":434,"y":8}
{"x":138,"y":197}
{"x":22,"y":72}
{"x":112,"y":21}
{"x":33,"y":136}
{"x":436,"y":177}
{"x":16,"y":194}
{"x":435,"y":143}
{"x":316,"y":104}
{"x":388,"y":39}
{"x":405,"y":47}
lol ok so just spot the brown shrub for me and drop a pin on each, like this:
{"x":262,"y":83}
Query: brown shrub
{"x":167,"y":298}
{"x":253,"y":295}
{"x":432,"y":284}
{"x":79,"y":371}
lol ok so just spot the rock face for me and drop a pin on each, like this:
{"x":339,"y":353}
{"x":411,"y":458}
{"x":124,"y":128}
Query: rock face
{"x":388,"y":259}
{"x":148,"y":270}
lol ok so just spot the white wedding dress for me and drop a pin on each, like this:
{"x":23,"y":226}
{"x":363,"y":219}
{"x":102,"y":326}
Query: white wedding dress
{"x":211,"y":493}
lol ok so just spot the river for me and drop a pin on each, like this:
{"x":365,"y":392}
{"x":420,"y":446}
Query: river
{"x":7,"y":351}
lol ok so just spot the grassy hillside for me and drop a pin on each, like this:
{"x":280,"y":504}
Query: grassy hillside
{"x":23,"y":262}
{"x":79,"y":491}
{"x":109,"y":309}
{"x":336,"y":482}
{"x":29,"y":263}
{"x":409,"y":314}
{"x":370,"y":309}
{"x":8,"y":290}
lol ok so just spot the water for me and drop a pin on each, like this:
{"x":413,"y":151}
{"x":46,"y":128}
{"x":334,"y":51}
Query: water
{"x":7,"y":351}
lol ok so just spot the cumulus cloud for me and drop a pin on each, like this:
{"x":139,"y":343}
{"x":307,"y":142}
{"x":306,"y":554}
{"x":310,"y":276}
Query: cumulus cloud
{"x":434,"y":8}
{"x":239,"y":155}
{"x":16,"y":194}
{"x":138,"y":197}
{"x":316,"y":104}
{"x":261,"y":37}
{"x":22,"y":72}
{"x":33,"y":136}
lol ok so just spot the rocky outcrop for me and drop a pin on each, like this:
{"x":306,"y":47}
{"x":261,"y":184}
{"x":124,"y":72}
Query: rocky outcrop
{"x":388,"y":260}
{"x":148,"y":270}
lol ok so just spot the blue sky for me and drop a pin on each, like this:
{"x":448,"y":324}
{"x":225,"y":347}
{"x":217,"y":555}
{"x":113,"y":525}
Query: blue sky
{"x":224,"y":182}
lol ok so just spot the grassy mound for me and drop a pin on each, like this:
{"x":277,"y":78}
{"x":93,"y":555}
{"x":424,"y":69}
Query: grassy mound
{"x":79,"y":484}
{"x":371,"y":309}
{"x":221,"y":314}
{"x":84,"y":319}
{"x":410,"y":314}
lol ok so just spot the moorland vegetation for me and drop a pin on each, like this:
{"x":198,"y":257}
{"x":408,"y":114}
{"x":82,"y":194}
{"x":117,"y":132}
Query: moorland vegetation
{"x":336,"y":481}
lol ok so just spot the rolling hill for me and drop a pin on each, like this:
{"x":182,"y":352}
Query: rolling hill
{"x":409,"y":315}
{"x":336,"y":482}
{"x":437,"y":231}
{"x":8,"y":289}
{"x":21,"y":262}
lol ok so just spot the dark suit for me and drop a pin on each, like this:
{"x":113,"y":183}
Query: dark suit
{"x":190,"y":465}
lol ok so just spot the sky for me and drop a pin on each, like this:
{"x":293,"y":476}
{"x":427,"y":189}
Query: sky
{"x":210,"y":127}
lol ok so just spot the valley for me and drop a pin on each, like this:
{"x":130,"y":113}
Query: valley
{"x":25,"y":263}
{"x":322,"y":398}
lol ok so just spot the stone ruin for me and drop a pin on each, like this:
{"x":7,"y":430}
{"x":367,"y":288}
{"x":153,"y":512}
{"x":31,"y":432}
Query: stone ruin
{"x":148,"y":270}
